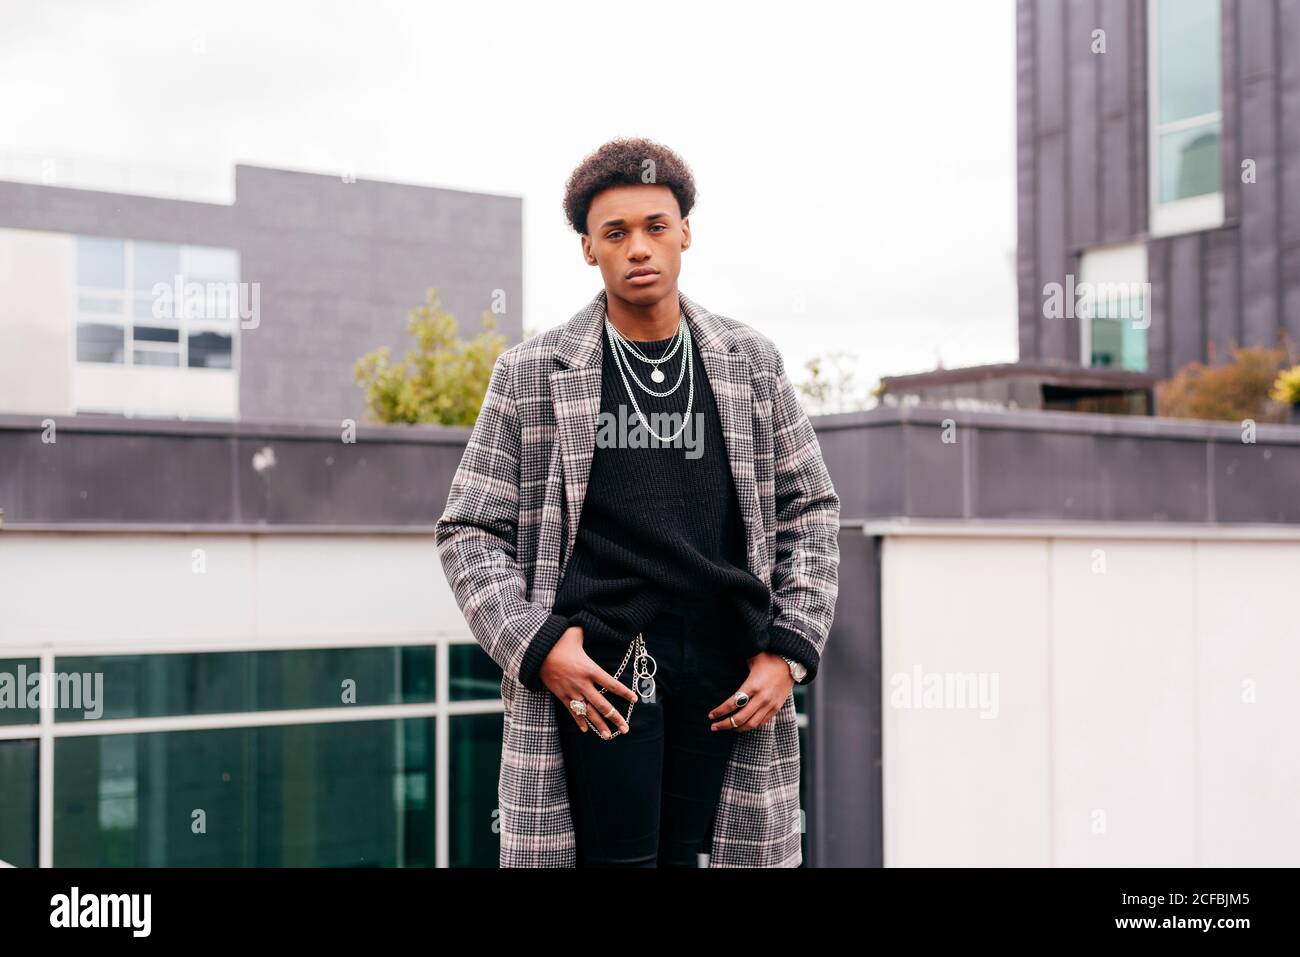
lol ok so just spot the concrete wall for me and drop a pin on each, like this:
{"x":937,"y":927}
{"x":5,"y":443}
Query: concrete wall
{"x":1083,"y":179}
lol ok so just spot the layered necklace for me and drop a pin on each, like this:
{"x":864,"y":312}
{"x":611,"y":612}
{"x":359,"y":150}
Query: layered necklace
{"x":625,"y":349}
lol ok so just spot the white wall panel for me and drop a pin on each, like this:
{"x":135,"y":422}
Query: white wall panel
{"x":1149,"y":707}
{"x":76,"y":589}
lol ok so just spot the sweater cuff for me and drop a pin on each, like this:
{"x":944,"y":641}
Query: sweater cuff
{"x":791,"y":644}
{"x":539,"y":647}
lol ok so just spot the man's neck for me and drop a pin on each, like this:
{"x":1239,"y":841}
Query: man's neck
{"x":645,"y":323}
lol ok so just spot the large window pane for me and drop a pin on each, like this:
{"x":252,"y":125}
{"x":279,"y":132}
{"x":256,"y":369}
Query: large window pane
{"x":1187,"y":58}
{"x":146,"y":686}
{"x":100,"y":342}
{"x":347,"y":794}
{"x":475,"y":761}
{"x":18,"y":802}
{"x":155,"y":263}
{"x":101,"y":263}
{"x":1189,"y":163}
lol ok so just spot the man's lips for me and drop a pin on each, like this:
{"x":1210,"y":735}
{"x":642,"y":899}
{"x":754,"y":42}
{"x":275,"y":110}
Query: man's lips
{"x":642,"y":278}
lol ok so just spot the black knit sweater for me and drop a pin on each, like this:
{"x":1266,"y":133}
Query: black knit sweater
{"x":661,"y":524}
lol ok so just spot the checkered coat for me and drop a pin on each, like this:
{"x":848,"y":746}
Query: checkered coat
{"x":509,"y":528}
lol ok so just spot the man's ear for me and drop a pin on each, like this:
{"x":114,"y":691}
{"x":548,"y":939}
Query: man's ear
{"x":586,"y":250}
{"x":686,"y":233}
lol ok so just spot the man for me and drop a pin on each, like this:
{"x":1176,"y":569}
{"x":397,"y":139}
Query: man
{"x":723,"y":566}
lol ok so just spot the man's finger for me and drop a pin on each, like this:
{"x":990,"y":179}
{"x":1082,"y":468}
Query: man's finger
{"x":610,"y":683}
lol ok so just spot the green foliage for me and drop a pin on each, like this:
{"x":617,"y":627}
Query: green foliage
{"x":830,"y":385}
{"x":441,"y":381}
{"x":1231,"y":391}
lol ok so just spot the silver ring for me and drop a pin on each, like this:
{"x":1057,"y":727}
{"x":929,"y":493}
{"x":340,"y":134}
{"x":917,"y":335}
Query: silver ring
{"x":578,"y":706}
{"x":740,"y":698}
{"x":732,"y":719}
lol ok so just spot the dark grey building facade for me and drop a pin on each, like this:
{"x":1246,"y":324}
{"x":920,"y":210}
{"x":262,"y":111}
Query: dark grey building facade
{"x":1159,"y":141}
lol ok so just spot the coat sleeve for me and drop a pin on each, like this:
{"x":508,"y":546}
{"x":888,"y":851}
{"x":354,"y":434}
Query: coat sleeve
{"x":476,"y":534}
{"x":805,"y":576}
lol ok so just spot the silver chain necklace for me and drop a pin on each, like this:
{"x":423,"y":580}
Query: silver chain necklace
{"x":684,"y":332}
{"x":656,"y":375}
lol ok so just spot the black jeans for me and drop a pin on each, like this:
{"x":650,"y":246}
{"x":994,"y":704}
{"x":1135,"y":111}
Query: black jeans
{"x":647,"y":798}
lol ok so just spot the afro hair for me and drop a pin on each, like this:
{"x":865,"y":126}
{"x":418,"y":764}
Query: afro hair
{"x":626,"y":162}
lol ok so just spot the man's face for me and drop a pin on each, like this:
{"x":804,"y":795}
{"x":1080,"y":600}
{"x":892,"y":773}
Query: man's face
{"x":636,"y":235}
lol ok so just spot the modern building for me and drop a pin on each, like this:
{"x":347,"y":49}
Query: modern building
{"x":1158,"y":143}
{"x":1158,"y":211}
{"x":255,"y":310}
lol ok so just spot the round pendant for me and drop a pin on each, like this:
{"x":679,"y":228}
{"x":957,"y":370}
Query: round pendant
{"x":657,"y":375}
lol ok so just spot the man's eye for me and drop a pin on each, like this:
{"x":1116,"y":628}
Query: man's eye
{"x":617,"y":232}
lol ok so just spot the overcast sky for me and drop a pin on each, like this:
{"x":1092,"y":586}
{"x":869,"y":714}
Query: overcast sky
{"x":859,"y":165}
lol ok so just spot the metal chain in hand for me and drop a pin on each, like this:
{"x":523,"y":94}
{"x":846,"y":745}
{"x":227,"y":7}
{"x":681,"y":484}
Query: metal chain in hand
{"x":639,"y":675}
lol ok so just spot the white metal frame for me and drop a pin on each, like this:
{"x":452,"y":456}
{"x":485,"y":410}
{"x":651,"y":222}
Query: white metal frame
{"x":1195,"y":213}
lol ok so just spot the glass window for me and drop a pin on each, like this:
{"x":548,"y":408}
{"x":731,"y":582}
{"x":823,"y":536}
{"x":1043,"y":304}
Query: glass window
{"x":147,"y":686}
{"x":472,"y":674}
{"x":1186,"y":115}
{"x":475,"y":761}
{"x":100,"y":342}
{"x":210,"y":350}
{"x":155,"y":357}
{"x":346,"y":794}
{"x":101,"y":263}
{"x":1187,"y":61}
{"x":14,"y":675}
{"x":156,"y":334}
{"x":1113,"y":299}
{"x":1189,"y":163}
{"x":19,"y":761}
{"x":155,"y":263}
{"x":96,"y":304}
{"x":189,"y":323}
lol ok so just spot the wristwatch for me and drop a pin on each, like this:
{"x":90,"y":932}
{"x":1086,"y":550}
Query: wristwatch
{"x":797,"y":671}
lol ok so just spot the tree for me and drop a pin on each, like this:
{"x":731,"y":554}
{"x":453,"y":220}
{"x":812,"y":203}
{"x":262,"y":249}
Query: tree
{"x":1231,"y":391}
{"x":441,"y":381}
{"x":830,"y":384}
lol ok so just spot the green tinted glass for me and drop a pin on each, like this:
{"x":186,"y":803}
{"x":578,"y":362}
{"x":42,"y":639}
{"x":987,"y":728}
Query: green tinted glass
{"x":18,"y":802}
{"x":1189,"y":163}
{"x":475,"y":761}
{"x":472,"y":674}
{"x":346,"y":794}
{"x":144,"y":686}
{"x":15,"y":690}
{"x":1187,"y":58}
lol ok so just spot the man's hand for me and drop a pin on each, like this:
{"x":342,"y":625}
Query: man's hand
{"x":768,"y":685}
{"x":570,"y":673}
